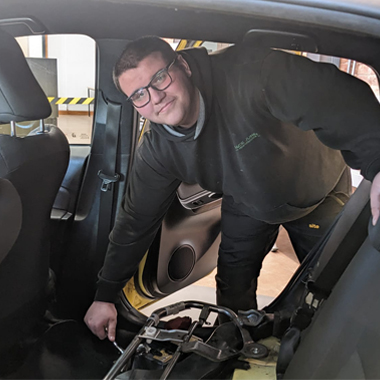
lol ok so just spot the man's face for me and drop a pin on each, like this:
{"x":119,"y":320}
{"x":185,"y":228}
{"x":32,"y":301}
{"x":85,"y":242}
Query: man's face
{"x":177,"y":105}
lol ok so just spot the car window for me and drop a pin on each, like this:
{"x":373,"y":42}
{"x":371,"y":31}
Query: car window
{"x":214,"y":46}
{"x":64,"y":66}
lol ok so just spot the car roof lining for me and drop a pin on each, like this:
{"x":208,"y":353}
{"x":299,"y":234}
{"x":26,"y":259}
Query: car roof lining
{"x":162,"y":15}
{"x":206,"y":20}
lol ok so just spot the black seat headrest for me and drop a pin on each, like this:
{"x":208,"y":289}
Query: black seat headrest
{"x":21,"y":97}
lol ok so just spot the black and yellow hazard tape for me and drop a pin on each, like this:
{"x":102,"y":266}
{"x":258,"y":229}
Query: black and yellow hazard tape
{"x":85,"y":101}
{"x":183,"y":44}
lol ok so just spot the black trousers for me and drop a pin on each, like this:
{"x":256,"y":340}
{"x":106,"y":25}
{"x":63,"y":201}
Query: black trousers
{"x":246,"y":241}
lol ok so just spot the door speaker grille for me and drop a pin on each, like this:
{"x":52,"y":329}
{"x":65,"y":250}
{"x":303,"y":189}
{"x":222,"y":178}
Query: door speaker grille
{"x":181,"y":263}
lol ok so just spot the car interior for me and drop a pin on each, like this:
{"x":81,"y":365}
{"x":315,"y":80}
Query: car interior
{"x":58,"y":202}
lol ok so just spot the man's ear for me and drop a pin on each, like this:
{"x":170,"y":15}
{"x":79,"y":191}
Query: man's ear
{"x":185,"y":66}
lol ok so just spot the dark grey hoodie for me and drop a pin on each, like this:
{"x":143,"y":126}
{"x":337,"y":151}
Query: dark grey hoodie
{"x":267,"y":114}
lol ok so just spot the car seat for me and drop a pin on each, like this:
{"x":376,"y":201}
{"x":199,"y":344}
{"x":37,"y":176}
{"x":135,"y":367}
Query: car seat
{"x":343,"y":339}
{"x":31,"y":170}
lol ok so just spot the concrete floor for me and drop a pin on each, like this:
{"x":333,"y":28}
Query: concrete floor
{"x":77,"y":128}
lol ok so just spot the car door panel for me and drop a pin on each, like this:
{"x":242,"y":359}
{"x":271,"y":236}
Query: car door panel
{"x":187,"y":250}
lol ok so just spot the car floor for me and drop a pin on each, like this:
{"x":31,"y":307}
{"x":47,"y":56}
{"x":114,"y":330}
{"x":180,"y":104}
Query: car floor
{"x":67,"y":350}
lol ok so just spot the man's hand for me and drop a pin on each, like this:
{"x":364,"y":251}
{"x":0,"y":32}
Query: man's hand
{"x":101,"y":319}
{"x":375,"y":198}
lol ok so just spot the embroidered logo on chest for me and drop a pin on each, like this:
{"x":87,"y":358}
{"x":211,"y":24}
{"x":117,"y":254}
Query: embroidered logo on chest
{"x":247,"y":140}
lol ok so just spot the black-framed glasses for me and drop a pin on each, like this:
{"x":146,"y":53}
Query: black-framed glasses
{"x":160,"y":82}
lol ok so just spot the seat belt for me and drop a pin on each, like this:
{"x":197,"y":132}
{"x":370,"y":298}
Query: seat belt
{"x":349,"y":233}
{"x":336,"y":257}
{"x":108,"y":176}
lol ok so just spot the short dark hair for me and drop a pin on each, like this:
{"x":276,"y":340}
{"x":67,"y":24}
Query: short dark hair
{"x":137,"y":50}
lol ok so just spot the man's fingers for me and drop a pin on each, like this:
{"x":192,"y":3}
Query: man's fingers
{"x":97,"y":328}
{"x":375,"y":215}
{"x":375,"y":198}
{"x":100,"y":332}
{"x":101,"y":318}
{"x":112,"y":330}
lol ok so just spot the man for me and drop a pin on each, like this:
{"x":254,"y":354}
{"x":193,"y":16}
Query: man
{"x":247,"y":123}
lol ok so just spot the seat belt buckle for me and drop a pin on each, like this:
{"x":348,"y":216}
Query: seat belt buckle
{"x":316,"y":295}
{"x":108,"y":180}
{"x":312,"y":301}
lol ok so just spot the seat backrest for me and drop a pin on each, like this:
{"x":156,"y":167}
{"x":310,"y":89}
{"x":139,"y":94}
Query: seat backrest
{"x":10,"y":217}
{"x":31,"y":171}
{"x":343,"y":342}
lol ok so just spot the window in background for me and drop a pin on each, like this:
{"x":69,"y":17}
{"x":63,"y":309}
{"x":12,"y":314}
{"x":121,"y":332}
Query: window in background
{"x":64,"y":66}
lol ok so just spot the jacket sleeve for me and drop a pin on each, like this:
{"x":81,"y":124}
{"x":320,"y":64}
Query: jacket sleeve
{"x":341,"y":109}
{"x":149,"y":194}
